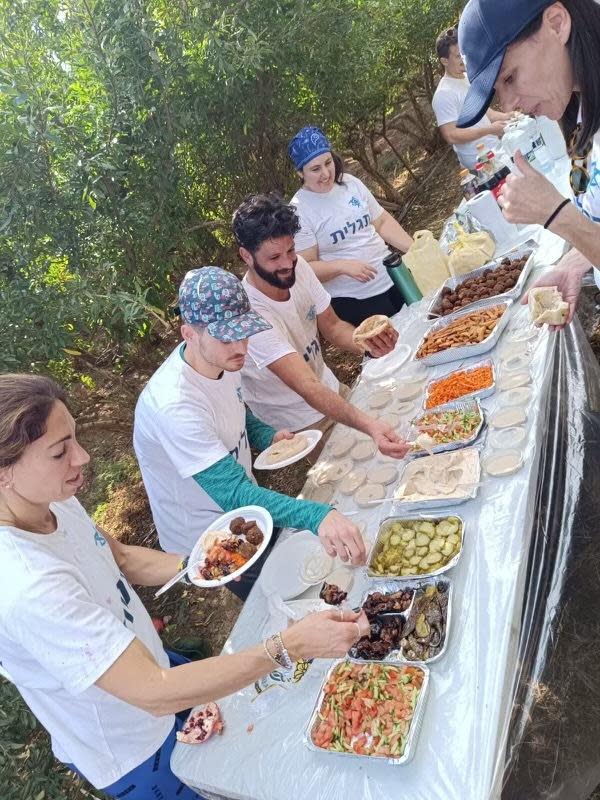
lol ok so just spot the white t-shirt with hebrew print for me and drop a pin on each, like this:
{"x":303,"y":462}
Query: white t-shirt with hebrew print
{"x":294,"y":329}
{"x":589,"y":202}
{"x":66,"y":615}
{"x":339,"y":223}
{"x":185,"y":423}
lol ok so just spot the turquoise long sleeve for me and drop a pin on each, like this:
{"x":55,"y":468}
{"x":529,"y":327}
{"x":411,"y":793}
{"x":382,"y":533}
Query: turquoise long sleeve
{"x":227,"y":483}
{"x":260,"y":435}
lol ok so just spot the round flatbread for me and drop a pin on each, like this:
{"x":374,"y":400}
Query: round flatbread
{"x":350,"y":483}
{"x":364,"y":496}
{"x":342,"y":445}
{"x":332,"y":473}
{"x":372,"y":326}
{"x":383,"y":474}
{"x":319,"y":494}
{"x":363,"y":451}
{"x":380,"y":399}
{"x":391,"y":419}
{"x":286,"y":448}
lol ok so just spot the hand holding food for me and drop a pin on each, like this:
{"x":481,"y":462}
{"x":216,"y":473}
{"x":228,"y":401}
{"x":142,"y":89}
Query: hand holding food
{"x":387,"y":440}
{"x":547,"y":306}
{"x":342,"y":538}
{"x":327,"y":634}
{"x":566,"y":277}
{"x":528,"y":198}
{"x":375,"y":335}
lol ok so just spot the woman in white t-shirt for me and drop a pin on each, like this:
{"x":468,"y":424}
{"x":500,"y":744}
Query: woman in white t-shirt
{"x":75,"y":638}
{"x":344,"y":231}
{"x":544,"y":57}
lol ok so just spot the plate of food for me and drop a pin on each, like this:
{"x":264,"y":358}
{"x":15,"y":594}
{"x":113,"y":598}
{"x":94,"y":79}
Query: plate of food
{"x":288,"y":451}
{"x":477,"y":381}
{"x":230,"y":546}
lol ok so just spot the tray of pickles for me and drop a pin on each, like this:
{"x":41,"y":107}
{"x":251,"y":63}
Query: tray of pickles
{"x":408,"y":548}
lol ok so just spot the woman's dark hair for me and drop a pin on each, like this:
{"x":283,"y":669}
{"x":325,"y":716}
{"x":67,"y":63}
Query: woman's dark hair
{"x":261,"y":217}
{"x":445,"y":41}
{"x":584,"y":52}
{"x":339,"y":169}
{"x":25,"y":405}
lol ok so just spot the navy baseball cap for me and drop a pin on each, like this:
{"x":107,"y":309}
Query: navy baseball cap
{"x":485,"y":30}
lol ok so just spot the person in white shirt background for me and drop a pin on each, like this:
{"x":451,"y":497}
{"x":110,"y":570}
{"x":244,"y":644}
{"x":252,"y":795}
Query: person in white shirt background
{"x":448,"y":101}
{"x":344,"y":231}
{"x":544,"y":58}
{"x":75,"y":638}
{"x":192,"y":432}
{"x":284,"y":379}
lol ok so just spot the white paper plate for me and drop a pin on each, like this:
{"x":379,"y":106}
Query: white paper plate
{"x":251,"y":514}
{"x":281,"y":573}
{"x":515,"y":397}
{"x":313,"y":436}
{"x":375,"y":368}
{"x":507,"y":438}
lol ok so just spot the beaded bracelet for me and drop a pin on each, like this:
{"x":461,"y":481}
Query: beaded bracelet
{"x":281,"y":657}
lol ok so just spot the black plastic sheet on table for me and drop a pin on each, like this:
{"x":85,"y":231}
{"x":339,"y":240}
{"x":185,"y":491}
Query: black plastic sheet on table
{"x":553,"y":743}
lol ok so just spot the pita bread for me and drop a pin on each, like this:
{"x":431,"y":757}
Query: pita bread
{"x":547,"y":306}
{"x":380,"y":399}
{"x":286,"y":448}
{"x":368,"y":493}
{"x":350,"y":483}
{"x":363,"y":451}
{"x":372,"y":326}
{"x":332,"y":473}
{"x":384,"y":474}
{"x":342,"y":445}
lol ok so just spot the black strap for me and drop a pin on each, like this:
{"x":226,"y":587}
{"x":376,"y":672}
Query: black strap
{"x":553,"y":216}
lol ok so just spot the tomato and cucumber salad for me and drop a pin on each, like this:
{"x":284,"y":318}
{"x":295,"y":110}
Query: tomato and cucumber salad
{"x":368,"y":709}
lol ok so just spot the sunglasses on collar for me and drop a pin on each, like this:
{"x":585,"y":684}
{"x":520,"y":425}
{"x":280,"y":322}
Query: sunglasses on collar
{"x":579,"y":177}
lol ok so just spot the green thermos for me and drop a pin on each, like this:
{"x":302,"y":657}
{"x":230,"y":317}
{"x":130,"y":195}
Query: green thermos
{"x":402,"y":277}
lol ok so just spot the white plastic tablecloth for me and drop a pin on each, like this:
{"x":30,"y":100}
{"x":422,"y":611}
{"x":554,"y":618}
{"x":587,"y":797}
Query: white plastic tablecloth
{"x":262,"y":754}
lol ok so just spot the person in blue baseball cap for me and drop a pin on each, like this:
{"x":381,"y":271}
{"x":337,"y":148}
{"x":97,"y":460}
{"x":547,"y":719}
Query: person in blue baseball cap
{"x":193,"y":433}
{"x":344,"y":231}
{"x":543,"y":58}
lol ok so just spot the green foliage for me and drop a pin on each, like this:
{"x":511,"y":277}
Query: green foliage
{"x":130,"y":130}
{"x":107,"y":476}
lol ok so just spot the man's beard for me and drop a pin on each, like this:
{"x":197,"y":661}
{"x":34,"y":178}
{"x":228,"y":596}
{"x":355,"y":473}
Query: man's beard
{"x":273,"y":279}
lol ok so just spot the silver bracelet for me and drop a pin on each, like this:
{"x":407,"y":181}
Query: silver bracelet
{"x":283,"y":657}
{"x":268,"y":652}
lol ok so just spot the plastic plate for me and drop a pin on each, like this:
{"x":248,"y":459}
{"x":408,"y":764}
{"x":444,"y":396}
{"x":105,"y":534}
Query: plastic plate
{"x":313,"y":436}
{"x":282,"y":573}
{"x":375,"y":368}
{"x":250,"y":513}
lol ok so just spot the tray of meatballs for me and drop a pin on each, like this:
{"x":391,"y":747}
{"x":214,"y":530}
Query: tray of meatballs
{"x":504,"y":277}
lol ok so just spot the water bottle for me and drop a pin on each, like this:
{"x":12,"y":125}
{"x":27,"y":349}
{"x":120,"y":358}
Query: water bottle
{"x":402,"y":278}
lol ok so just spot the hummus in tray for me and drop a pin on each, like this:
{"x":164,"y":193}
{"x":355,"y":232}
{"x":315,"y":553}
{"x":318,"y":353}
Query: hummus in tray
{"x":445,"y":476}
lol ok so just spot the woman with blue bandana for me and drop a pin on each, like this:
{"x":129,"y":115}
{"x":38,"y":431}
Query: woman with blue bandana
{"x":344,"y":231}
{"x":544,"y":58}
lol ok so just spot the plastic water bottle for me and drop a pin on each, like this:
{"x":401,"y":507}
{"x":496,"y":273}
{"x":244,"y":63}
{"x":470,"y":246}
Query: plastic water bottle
{"x":553,"y":136}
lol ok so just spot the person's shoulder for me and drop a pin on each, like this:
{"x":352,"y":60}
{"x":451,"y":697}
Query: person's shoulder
{"x":164,"y":388}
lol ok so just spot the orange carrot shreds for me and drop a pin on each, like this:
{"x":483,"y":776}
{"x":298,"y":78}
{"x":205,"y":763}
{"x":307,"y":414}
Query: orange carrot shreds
{"x":459,"y":384}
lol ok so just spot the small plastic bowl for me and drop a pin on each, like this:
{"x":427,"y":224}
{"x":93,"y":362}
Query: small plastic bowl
{"x":516,"y":363}
{"x":507,"y":438}
{"x":508,"y":417}
{"x":502,"y":463}
{"x":513,"y":380}
{"x":515,"y":397}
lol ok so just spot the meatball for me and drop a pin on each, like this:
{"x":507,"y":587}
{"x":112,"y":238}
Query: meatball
{"x":255,"y":535}
{"x":236,"y":526}
{"x":247,"y":550}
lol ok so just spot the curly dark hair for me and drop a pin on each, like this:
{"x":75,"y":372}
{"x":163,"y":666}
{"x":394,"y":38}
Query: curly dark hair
{"x":445,"y":41}
{"x":261,"y":217}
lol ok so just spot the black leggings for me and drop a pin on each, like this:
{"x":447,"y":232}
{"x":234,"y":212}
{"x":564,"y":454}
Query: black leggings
{"x":356,"y":311}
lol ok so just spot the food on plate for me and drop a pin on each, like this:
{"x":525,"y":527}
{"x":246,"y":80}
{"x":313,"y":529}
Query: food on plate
{"x":286,"y":448}
{"x":363,"y":451}
{"x":353,"y":480}
{"x":201,"y":724}
{"x":470,"y":251}
{"x":500,"y":463}
{"x":465,"y":330}
{"x":513,"y":380}
{"x":332,"y":594}
{"x":372,"y":326}
{"x":368,"y":494}
{"x":424,"y":633}
{"x":407,"y":548}
{"x":444,"y":476}
{"x":491,"y":282}
{"x":459,"y":384}
{"x":227,"y":551}
{"x":316,"y":566}
{"x":331,"y":473}
{"x":447,"y":427}
{"x":341,"y":446}
{"x":547,"y":307}
{"x":368,"y":709}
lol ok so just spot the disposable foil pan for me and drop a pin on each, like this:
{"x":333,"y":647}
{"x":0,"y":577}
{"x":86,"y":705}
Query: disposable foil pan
{"x":457,"y":405}
{"x":468,"y":350}
{"x":413,"y":732}
{"x":480,"y":395}
{"x":406,"y":580}
{"x":417,"y":587}
{"x":443,"y":501}
{"x":526,"y":249}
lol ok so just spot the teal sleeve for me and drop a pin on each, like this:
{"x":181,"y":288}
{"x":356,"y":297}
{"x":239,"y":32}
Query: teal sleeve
{"x":260,"y":435}
{"x":227,"y":483}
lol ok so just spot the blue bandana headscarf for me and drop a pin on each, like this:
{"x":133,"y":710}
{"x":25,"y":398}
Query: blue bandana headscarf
{"x":307,"y":144}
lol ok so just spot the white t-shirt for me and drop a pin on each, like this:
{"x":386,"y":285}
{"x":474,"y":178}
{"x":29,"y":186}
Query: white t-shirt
{"x":339,"y":223}
{"x":185,"y":423}
{"x":66,"y":615}
{"x":589,"y":202}
{"x":447,"y":104}
{"x":294,"y":330}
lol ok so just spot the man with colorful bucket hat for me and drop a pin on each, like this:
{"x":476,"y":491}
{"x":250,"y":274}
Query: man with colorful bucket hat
{"x":193,"y":433}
